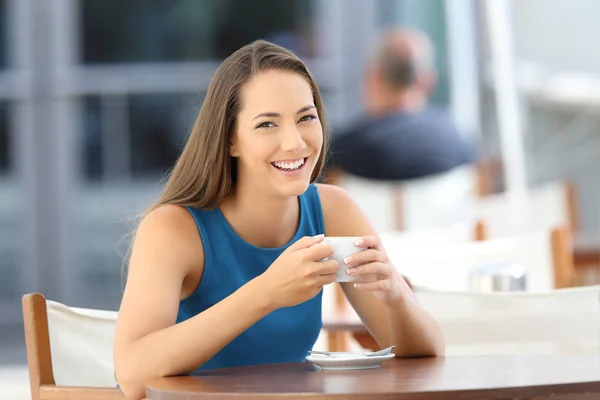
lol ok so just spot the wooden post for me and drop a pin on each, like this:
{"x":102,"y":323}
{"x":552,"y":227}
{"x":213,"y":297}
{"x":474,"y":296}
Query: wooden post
{"x":562,"y":257}
{"x":37,"y":339}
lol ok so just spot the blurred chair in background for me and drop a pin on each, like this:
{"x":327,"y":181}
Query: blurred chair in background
{"x":542,"y":207}
{"x":545,"y":257}
{"x":435,"y":202}
{"x":69,"y":351}
{"x":565,"y":321}
{"x":451,"y":260}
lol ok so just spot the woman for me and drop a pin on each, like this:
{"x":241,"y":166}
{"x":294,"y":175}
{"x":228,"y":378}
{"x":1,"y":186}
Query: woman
{"x":225,"y":268}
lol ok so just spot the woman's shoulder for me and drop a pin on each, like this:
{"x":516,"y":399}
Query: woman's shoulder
{"x":170,"y":217}
{"x":331,"y":193}
{"x":340,"y":212}
{"x":171,"y":228}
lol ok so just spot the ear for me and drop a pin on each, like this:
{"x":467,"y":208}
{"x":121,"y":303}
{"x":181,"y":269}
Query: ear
{"x":233,"y":148}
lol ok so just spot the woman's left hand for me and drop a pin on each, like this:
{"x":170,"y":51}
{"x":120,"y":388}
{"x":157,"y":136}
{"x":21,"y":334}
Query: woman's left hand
{"x":374,"y":271}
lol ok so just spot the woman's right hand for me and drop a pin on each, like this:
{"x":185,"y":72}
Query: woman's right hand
{"x":298,"y":275}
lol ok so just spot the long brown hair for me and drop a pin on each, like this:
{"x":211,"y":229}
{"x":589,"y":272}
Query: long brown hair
{"x":205,"y":173}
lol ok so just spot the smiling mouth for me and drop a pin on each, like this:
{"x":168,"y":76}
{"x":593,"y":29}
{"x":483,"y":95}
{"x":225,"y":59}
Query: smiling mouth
{"x":290,"y":165}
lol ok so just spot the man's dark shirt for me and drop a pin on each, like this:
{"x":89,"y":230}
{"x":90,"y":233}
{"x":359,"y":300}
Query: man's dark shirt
{"x":400,"y":146}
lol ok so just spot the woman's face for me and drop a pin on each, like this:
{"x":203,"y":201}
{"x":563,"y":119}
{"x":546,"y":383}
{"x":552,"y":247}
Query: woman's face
{"x":278,"y":136}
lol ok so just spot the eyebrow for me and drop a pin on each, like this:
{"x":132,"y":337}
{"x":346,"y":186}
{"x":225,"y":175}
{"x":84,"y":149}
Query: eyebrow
{"x":276,"y":115}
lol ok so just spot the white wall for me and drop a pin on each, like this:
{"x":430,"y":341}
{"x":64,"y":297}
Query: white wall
{"x":560,"y":34}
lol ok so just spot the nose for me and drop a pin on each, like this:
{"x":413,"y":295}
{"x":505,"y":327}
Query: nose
{"x":293,"y":141}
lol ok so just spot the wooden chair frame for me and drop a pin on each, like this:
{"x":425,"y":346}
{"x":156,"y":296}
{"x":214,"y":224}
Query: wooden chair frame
{"x":39,"y":359}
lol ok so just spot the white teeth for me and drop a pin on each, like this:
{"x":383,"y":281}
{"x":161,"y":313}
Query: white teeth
{"x":289,"y":166}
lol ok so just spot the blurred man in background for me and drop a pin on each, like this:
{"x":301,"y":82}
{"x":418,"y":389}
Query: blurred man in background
{"x":402,"y":137}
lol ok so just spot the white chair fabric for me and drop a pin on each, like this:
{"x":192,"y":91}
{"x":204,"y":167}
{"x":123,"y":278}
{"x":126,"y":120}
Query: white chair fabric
{"x":541,"y":208}
{"x":448,"y":266}
{"x":440,"y":200}
{"x":428,"y":203}
{"x":463,"y":232}
{"x":560,"y":321}
{"x":81,"y":344}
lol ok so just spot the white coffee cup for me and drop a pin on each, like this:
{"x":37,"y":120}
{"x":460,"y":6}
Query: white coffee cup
{"x":343,"y":247}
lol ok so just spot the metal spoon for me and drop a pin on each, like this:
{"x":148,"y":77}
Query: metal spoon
{"x":381,"y":352}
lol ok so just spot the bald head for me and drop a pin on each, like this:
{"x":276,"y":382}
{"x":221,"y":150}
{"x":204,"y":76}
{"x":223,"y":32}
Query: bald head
{"x":402,"y":56}
{"x":402,"y":72}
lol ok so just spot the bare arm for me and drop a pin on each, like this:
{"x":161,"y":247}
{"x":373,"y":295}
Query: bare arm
{"x":148,"y":344}
{"x":400,"y":320}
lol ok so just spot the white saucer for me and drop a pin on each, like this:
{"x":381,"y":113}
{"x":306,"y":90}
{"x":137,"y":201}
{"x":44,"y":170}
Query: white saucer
{"x":347,"y":361}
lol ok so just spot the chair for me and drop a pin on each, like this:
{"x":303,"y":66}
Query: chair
{"x":542,"y":207}
{"x":559,"y":321}
{"x":426,"y":203}
{"x":545,"y":255}
{"x":69,"y":351}
{"x":563,"y":321}
{"x":438,"y":265}
{"x":461,"y":232}
{"x":451,"y":234}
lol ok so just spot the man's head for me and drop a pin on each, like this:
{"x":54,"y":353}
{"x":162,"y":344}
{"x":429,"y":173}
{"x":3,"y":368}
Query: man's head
{"x":402,"y":73}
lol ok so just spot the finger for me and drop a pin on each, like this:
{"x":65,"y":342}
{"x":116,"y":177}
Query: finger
{"x":306,"y":242}
{"x":327,"y":267}
{"x":319,"y":252}
{"x":368,"y":278}
{"x":374,"y":268}
{"x":368,"y":242}
{"x":378,"y":285}
{"x":323,"y":280}
{"x":364,"y":257}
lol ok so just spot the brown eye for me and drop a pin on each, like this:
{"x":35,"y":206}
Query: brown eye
{"x":307,"y":118}
{"x":265,"y":125}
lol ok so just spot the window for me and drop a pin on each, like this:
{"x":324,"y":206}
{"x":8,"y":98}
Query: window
{"x":3,"y":34}
{"x":9,"y":267}
{"x":159,"y":127}
{"x":191,"y":30}
{"x":92,"y":150}
{"x":101,"y":280}
{"x":5,"y":145}
{"x":135,"y":136}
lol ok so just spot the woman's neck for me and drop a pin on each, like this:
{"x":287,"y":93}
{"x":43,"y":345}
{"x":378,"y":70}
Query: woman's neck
{"x":263,"y":221}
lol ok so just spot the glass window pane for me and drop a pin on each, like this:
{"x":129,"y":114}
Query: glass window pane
{"x":92,"y":151}
{"x":144,"y":143}
{"x":183,"y":30}
{"x":3,"y":34}
{"x":100,"y":275}
{"x":11,"y":217}
{"x":159,"y":126}
{"x":9,"y":267}
{"x":5,"y":144}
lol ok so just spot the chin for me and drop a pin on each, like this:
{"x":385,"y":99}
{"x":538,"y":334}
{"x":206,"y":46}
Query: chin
{"x":290,"y":189}
{"x":286,"y":184}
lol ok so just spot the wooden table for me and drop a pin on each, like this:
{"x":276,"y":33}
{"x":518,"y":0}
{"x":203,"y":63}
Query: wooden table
{"x":449,"y":378}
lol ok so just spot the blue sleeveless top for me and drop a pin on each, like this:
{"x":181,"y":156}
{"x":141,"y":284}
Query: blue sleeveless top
{"x":286,"y":334}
